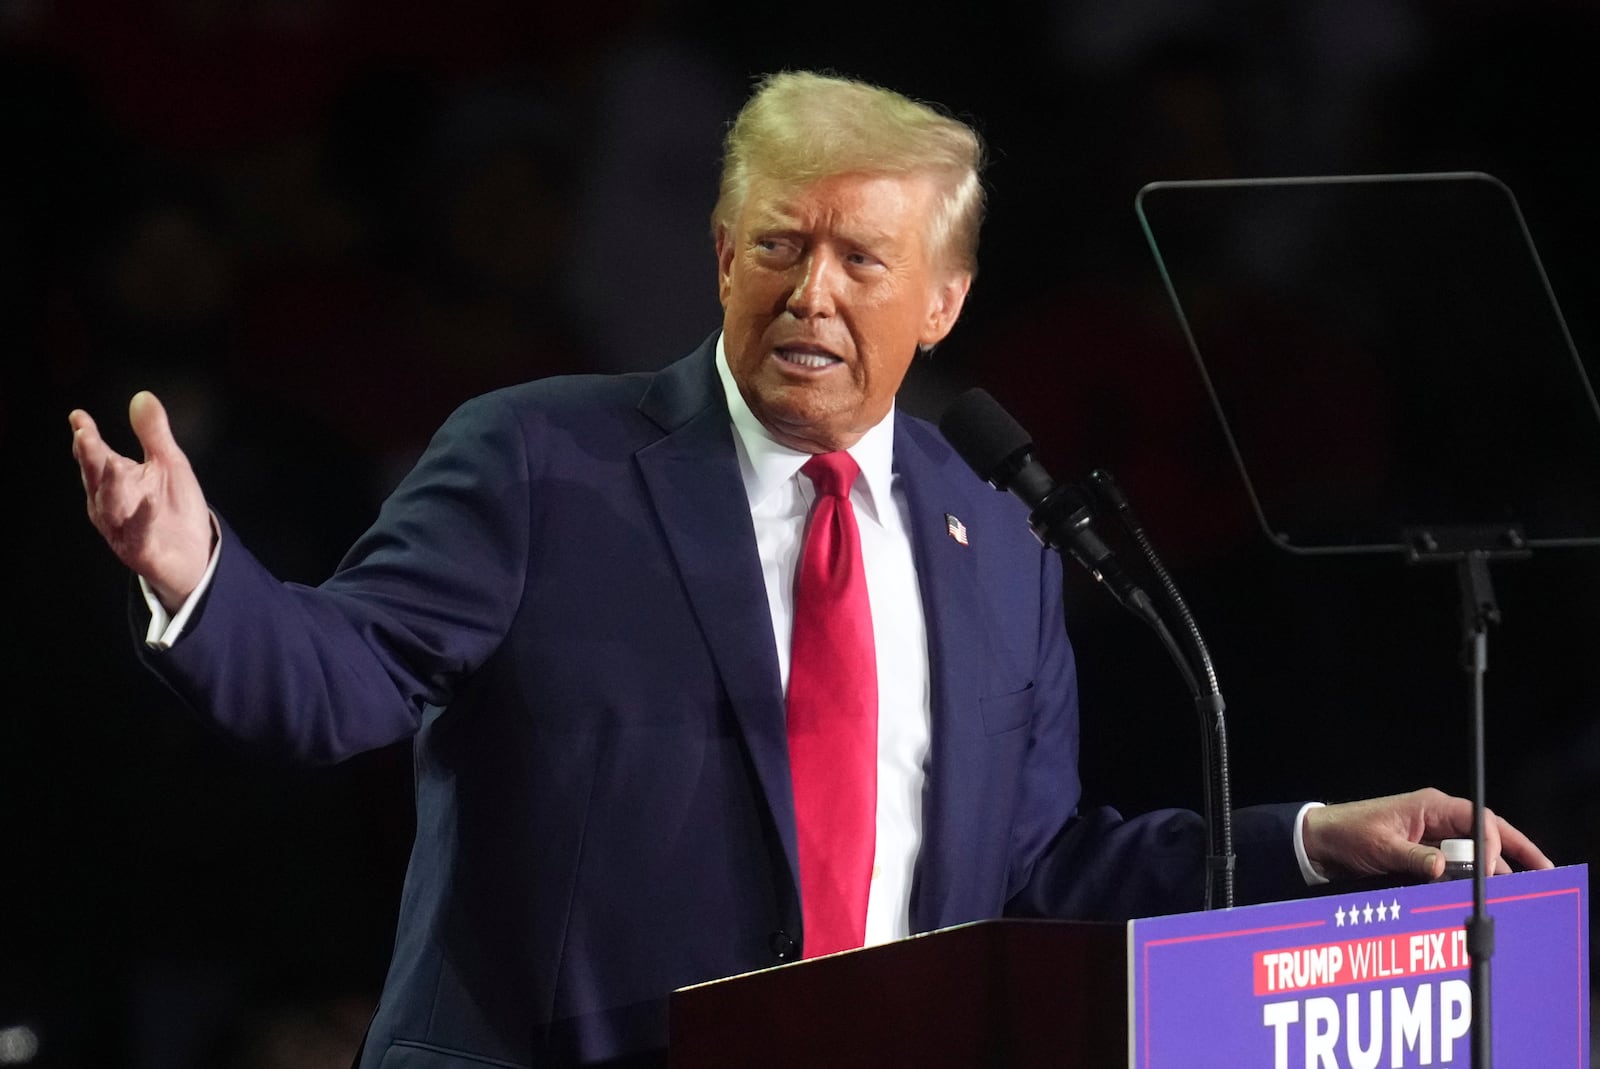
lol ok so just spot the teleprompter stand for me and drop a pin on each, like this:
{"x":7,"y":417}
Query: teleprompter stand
{"x":1471,"y":549}
{"x":1405,"y":382}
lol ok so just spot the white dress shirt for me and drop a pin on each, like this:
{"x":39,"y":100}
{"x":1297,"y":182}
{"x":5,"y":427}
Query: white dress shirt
{"x":780,"y":499}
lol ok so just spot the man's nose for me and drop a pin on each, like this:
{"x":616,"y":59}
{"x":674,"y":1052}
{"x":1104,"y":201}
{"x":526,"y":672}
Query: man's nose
{"x":813,"y":292}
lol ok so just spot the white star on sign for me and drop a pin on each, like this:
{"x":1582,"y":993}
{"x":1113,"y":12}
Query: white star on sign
{"x":1383,"y":911}
{"x":1338,"y":917}
{"x":1366,"y":914}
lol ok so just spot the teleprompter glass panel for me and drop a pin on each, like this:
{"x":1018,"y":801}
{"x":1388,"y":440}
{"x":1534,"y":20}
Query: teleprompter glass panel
{"x":1386,"y":356}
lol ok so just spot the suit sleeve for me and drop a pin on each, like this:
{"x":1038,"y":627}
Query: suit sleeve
{"x":422,"y":598}
{"x":1098,"y":865}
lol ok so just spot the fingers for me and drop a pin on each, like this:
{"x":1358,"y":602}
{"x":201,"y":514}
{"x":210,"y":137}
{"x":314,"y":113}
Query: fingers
{"x":1519,"y":848}
{"x":116,"y":487}
{"x":1503,"y":844}
{"x":101,"y":467}
{"x":1424,"y":862}
{"x":153,"y":514}
{"x":1491,"y":843}
{"x":89,"y":449}
{"x":1401,"y":834}
{"x":78,"y":420}
{"x":148,"y":418}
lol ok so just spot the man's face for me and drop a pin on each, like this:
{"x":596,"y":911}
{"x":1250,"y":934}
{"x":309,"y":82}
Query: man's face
{"x":827,"y":290}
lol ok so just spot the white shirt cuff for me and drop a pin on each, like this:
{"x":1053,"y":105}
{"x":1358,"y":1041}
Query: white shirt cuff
{"x":1312,"y":877}
{"x":166,"y":629}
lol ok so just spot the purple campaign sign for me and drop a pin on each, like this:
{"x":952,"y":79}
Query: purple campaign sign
{"x":1376,"y":980}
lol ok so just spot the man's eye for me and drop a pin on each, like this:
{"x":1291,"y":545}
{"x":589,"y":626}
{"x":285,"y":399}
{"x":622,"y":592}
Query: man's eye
{"x":776,"y":250}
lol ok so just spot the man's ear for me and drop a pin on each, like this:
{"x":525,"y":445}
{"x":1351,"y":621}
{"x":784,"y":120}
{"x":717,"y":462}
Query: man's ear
{"x":944,"y":308}
{"x":724,"y":263}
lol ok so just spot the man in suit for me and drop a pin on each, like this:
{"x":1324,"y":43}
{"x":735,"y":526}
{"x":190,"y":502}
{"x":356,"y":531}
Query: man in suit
{"x":583,"y":604}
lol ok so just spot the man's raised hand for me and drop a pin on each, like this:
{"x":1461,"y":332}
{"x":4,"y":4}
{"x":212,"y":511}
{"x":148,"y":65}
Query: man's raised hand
{"x":152,"y":514}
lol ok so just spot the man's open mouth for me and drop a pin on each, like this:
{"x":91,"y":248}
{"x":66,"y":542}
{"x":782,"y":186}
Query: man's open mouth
{"x":806,"y":356}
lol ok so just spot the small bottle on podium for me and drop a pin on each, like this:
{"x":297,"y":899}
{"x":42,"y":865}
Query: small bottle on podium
{"x":1458,"y":859}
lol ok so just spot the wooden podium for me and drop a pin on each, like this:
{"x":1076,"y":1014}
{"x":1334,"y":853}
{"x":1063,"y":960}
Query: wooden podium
{"x":1353,"y":977}
{"x":995,"y":993}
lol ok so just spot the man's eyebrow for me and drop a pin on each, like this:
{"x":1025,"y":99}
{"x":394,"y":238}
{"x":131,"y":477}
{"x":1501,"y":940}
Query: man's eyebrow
{"x":871,"y":235}
{"x":777,"y":218}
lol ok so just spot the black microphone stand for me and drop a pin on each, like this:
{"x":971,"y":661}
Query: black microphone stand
{"x":1062,"y":520}
{"x":1220,"y":858}
{"x":1061,"y":517}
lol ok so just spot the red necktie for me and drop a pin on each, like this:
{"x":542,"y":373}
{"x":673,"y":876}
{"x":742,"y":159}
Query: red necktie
{"x":833,"y":716}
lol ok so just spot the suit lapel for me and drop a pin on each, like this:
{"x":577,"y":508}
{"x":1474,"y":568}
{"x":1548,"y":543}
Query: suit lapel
{"x":692,"y":476}
{"x":938,"y":487}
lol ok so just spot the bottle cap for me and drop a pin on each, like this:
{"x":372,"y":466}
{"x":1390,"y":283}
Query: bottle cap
{"x":1457,"y":851}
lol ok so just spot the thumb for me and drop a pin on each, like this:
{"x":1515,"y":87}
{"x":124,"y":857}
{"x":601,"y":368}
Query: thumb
{"x":149,"y":420}
{"x":1424,"y":862}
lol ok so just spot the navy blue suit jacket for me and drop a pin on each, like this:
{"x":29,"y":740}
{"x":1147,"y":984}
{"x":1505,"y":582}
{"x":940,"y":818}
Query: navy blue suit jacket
{"x":564,"y":604}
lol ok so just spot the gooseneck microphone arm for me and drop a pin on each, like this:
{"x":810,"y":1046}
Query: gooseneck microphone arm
{"x":1208,"y":700}
{"x":996,"y":447}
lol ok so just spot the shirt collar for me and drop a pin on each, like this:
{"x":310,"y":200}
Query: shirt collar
{"x":767,"y":464}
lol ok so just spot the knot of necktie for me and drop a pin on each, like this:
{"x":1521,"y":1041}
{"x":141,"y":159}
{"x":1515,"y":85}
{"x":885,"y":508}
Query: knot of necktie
{"x":832,"y":474}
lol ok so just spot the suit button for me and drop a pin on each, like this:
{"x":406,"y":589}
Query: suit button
{"x":784,"y":948}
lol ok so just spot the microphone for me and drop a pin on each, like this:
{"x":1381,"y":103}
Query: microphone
{"x":996,"y":447}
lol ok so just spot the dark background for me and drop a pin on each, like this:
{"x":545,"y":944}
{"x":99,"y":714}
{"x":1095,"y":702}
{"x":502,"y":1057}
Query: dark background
{"x":316,"y":227}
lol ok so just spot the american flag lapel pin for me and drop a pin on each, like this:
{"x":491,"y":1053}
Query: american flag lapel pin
{"x":955,"y":528}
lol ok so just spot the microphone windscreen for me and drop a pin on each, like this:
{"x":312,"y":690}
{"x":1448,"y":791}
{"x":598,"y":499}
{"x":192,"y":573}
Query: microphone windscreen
{"x":984,"y":434}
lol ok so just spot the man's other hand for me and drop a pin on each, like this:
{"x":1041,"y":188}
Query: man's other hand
{"x":152,"y":514}
{"x":1400,"y":834}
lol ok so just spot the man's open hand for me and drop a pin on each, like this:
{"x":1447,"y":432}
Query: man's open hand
{"x":152,"y":514}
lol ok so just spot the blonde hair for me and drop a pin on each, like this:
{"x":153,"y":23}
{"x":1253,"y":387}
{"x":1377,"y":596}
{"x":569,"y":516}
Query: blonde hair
{"x":800,"y":126}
